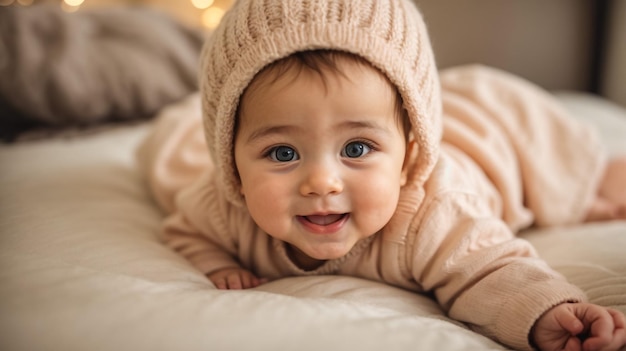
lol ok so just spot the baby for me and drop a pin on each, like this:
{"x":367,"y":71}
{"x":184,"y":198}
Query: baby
{"x":337,"y":148}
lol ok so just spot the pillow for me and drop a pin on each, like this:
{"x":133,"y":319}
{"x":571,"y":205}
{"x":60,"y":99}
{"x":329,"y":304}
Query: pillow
{"x":60,"y":69}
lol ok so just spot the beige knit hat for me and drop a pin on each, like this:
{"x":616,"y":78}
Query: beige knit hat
{"x":390,"y":34}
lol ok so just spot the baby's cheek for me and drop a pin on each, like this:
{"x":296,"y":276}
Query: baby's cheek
{"x":260,"y":199}
{"x":266,"y":202}
{"x":380,"y":200}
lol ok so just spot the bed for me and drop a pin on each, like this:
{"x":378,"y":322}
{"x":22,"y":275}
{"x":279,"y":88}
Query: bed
{"x":82,"y":267}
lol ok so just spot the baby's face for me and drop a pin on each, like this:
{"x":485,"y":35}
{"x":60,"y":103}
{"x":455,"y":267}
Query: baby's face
{"x":320,"y":161}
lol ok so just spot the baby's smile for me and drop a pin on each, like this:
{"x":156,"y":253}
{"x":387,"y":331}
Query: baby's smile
{"x":324,"y":223}
{"x":324,"y":219}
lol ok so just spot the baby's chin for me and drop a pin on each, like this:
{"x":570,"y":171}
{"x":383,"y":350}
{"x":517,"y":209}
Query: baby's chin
{"x":311,"y":258}
{"x":329,"y":251}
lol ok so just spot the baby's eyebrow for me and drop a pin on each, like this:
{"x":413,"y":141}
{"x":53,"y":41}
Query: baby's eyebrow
{"x":265,"y":131}
{"x":363,"y":125}
{"x":288,"y":129}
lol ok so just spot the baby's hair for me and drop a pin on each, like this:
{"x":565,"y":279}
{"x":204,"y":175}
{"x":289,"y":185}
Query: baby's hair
{"x":322,"y":62}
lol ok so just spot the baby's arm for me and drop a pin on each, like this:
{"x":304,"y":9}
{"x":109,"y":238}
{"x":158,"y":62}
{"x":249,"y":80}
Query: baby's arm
{"x":579,"y":326}
{"x":206,"y":229}
{"x":215,"y":259}
{"x":235,"y":279}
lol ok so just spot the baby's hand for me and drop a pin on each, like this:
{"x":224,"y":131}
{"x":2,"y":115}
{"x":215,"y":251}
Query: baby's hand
{"x":580,"y":326}
{"x":235,"y":278}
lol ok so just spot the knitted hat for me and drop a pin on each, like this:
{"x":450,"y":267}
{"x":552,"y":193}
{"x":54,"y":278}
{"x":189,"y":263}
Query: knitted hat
{"x":390,"y":34}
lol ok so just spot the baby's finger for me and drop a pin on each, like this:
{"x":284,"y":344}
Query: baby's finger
{"x":221,"y":284}
{"x":618,"y":318}
{"x":259,"y":281}
{"x":246,"y":280}
{"x":254,"y":281}
{"x":619,"y":333}
{"x":601,"y":331}
{"x":234,"y":282}
{"x":572,"y":344}
{"x":567,"y":319}
{"x":617,"y":341}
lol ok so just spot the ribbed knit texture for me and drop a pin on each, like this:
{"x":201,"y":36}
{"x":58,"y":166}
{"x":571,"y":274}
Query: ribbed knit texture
{"x":390,"y":34}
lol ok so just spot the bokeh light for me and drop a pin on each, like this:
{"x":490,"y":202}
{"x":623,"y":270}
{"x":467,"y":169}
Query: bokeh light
{"x":74,"y":3}
{"x":202,"y":4}
{"x":212,"y":16}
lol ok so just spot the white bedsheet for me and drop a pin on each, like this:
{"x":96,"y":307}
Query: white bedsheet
{"x":81,"y":267}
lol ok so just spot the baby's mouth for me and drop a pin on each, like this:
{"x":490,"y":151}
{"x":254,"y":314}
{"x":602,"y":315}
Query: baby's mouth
{"x":325,"y":219}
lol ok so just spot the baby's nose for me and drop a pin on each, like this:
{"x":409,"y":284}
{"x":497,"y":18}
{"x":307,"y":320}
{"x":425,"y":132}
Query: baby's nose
{"x":321,"y":180}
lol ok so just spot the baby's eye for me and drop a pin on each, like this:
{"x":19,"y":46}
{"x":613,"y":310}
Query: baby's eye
{"x":283,"y":154}
{"x":355,"y":149}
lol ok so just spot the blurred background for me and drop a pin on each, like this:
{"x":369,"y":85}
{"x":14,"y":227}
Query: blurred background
{"x":559,"y":44}
{"x":200,"y":13}
{"x":68,"y":63}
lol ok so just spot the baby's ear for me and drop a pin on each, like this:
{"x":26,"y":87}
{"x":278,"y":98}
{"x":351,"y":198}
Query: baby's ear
{"x":242,"y":191}
{"x":410,"y":154}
